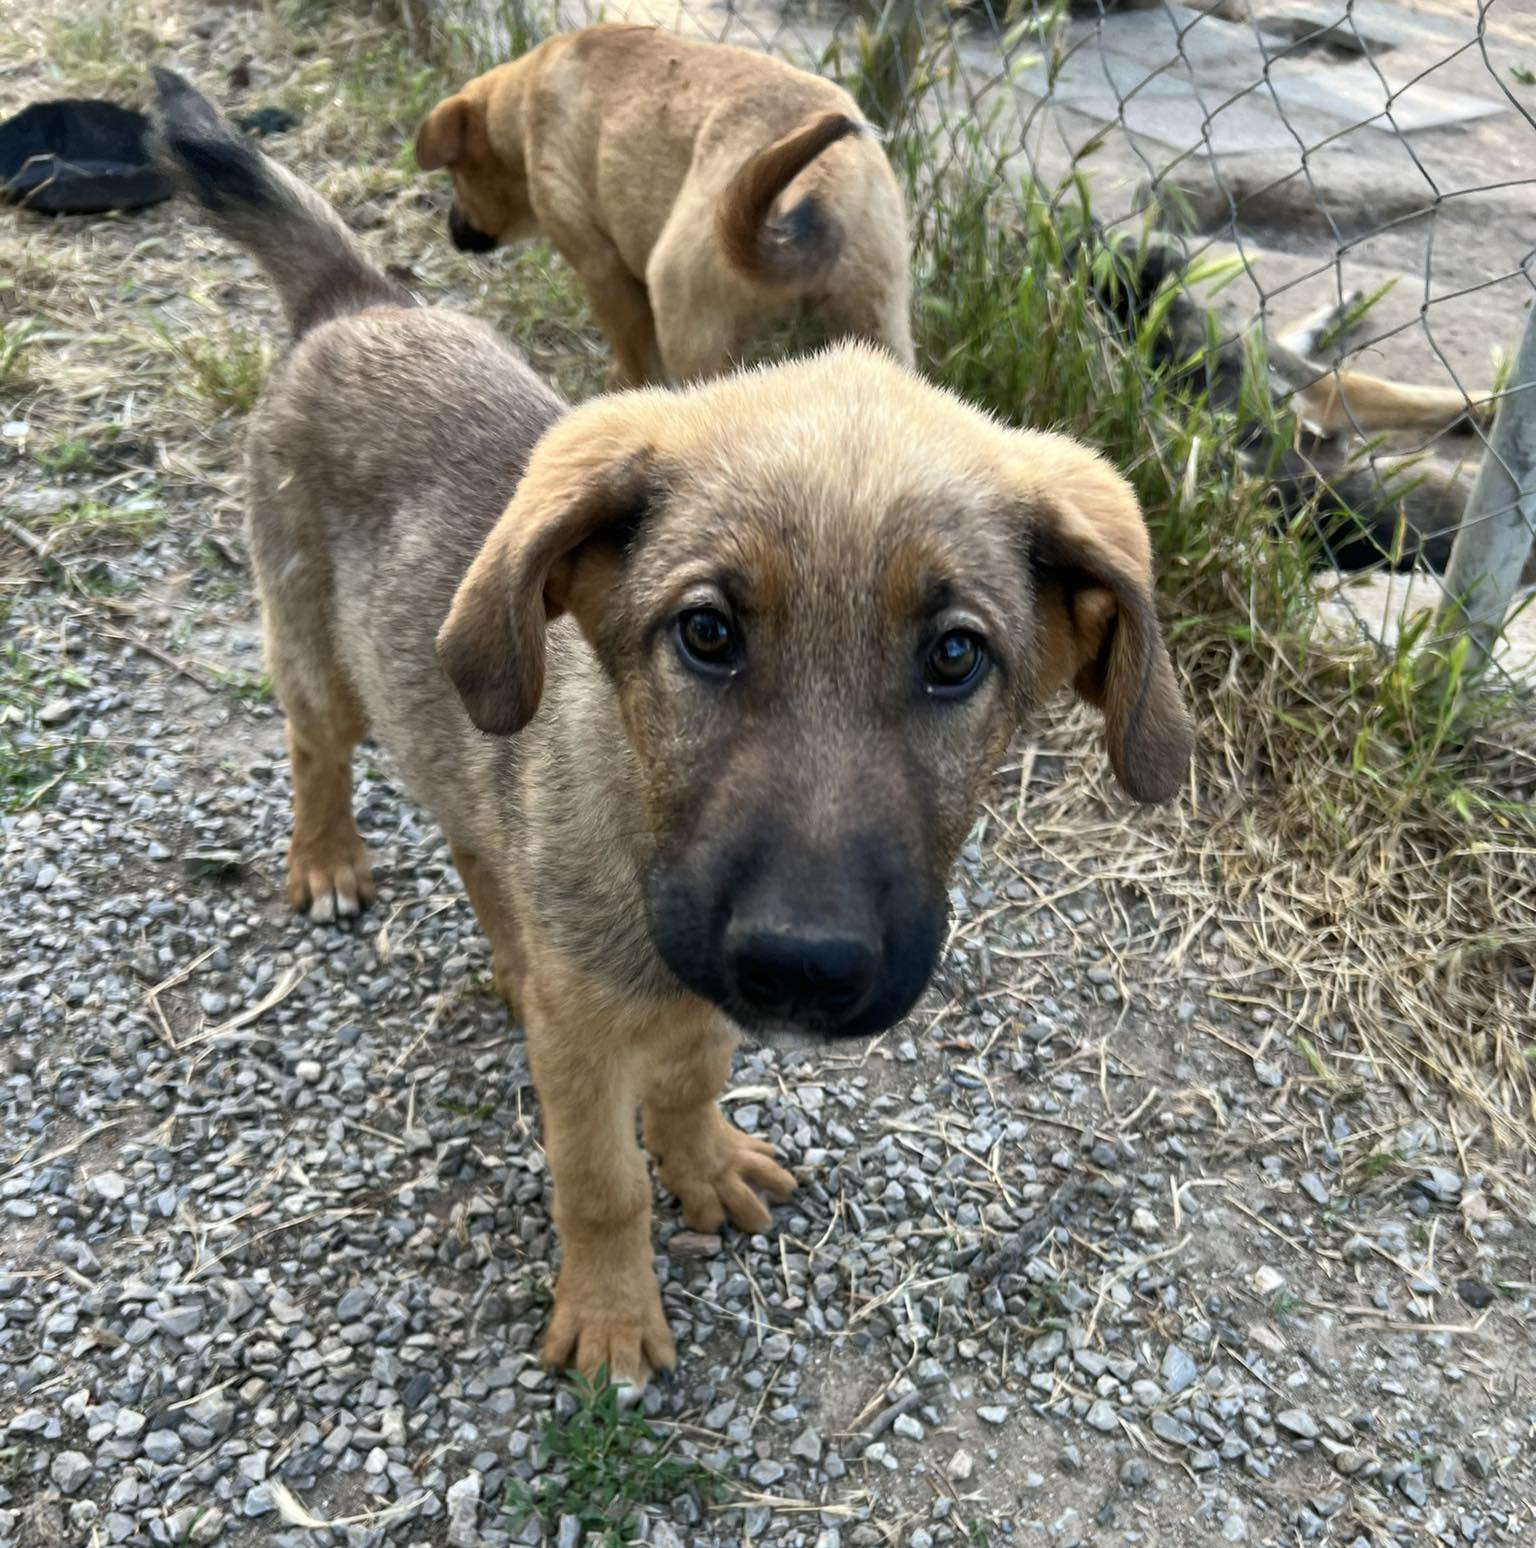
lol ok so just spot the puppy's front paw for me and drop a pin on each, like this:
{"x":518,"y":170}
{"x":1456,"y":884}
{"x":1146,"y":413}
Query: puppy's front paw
{"x":717,"y":1171}
{"x":330,"y":879}
{"x":614,"y":1324}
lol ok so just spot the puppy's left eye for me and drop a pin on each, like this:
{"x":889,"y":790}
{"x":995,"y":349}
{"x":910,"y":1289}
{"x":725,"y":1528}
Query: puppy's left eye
{"x":707,"y":640}
{"x":955,"y":663}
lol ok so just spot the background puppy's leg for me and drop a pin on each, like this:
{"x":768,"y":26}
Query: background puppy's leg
{"x":584,"y":1045}
{"x":619,"y":303}
{"x":327,"y":867}
{"x":709,"y":1164}
{"x":497,"y":920}
{"x":1351,"y":401}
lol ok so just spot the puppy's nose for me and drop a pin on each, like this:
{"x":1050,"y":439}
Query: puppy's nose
{"x":816,"y":978}
{"x":465,"y":237}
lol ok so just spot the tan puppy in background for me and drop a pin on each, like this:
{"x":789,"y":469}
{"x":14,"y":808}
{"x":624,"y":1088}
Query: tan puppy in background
{"x":703,"y":686}
{"x":699,"y":191}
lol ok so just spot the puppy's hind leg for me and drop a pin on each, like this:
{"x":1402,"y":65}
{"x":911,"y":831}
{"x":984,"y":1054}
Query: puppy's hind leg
{"x":327,"y":868}
{"x":713,"y":1168}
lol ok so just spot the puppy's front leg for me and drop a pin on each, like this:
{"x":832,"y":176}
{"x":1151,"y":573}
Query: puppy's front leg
{"x":584,"y":1044}
{"x":706,"y":1161}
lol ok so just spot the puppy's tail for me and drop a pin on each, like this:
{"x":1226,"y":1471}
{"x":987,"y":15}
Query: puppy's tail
{"x":315,"y":263}
{"x":799,"y":245}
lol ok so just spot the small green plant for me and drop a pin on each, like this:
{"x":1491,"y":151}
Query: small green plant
{"x":603,"y":1464}
{"x":1524,"y":74}
{"x":225,"y":369}
{"x":187,"y":1534}
{"x":134,"y":518}
{"x":245,"y":685}
{"x":68,"y":454}
{"x":1352,"y":316}
{"x":1285,"y":1305}
{"x":15,"y":343}
{"x":479,"y":1111}
{"x":34,"y":759}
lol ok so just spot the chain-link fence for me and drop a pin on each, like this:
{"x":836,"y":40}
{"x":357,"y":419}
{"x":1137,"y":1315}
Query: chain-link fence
{"x":1336,"y":189}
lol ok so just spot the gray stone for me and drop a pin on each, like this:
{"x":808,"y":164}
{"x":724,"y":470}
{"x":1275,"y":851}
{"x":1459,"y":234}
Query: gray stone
{"x":162,"y":1446}
{"x":1101,"y":1416}
{"x":70,"y":1470}
{"x":1298,"y":1422}
{"x":110,"y":1186}
{"x":463,"y":1504}
{"x":354,"y":1304}
{"x":1179,"y":1370}
{"x":213,"y":1411}
{"x":1167,"y":1428}
{"x":180,"y":1321}
{"x":1135,"y":1473}
{"x":806,"y":1446}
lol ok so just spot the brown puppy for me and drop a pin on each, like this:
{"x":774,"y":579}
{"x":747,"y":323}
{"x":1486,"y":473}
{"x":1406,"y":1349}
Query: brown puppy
{"x":702,"y":686}
{"x":700,"y":191}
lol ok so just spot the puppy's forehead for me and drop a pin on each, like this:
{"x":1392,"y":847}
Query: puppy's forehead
{"x":839,"y":484}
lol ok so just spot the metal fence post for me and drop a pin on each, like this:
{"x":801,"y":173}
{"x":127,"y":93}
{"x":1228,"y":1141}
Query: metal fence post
{"x":1495,"y":537}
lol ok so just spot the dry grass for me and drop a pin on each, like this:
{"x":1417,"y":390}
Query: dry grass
{"x":1350,"y":858}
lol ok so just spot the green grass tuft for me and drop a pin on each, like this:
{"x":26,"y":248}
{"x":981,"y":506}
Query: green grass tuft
{"x":15,"y":346}
{"x":602,"y":1466}
{"x":35,"y":759}
{"x":224,"y":370}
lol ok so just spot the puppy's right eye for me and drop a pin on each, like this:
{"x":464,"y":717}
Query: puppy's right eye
{"x":707,"y":642}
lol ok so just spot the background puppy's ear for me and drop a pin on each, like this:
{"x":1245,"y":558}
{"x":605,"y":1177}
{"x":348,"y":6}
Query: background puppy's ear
{"x":1091,"y":562}
{"x":556,"y":548}
{"x":443,"y":132}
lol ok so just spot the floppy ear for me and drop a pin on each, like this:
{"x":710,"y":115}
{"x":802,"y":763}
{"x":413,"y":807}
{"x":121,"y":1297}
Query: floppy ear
{"x":440,"y":139}
{"x":1092,"y":566}
{"x":555,"y":549}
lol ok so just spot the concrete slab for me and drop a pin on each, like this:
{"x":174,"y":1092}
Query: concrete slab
{"x":1357,"y":94}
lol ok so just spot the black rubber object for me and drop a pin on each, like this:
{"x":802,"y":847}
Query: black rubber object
{"x":78,"y":157}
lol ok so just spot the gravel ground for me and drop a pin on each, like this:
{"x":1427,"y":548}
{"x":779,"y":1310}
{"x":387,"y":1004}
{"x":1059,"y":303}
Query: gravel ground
{"x":1092,"y":1250}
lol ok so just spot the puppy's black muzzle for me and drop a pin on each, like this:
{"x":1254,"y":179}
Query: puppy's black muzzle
{"x":465,"y":237}
{"x":838,"y":942}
